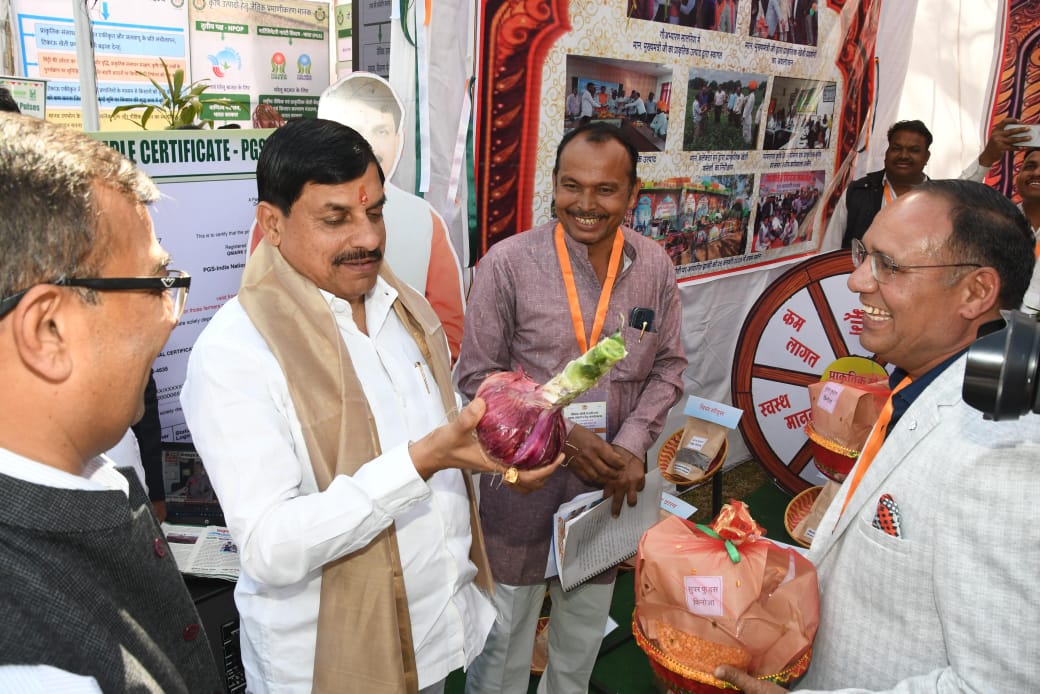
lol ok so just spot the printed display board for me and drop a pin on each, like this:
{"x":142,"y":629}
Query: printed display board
{"x":739,"y":117}
{"x":208,"y":184}
{"x":248,"y":53}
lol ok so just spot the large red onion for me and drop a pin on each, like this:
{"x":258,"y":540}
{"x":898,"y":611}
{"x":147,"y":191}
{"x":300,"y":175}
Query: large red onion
{"x":520,"y":427}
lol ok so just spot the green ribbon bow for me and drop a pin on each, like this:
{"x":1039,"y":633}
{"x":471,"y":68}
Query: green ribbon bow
{"x":731,"y":549}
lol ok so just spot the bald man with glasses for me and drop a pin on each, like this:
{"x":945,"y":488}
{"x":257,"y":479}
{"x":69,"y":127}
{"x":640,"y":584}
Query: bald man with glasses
{"x":927,"y":557}
{"x":90,"y":595}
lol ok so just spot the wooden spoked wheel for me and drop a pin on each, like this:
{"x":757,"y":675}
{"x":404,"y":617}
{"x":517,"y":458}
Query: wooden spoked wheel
{"x":800,"y":325}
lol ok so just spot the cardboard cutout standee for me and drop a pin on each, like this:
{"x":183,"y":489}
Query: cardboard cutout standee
{"x":418,"y":249}
{"x":417,"y":245}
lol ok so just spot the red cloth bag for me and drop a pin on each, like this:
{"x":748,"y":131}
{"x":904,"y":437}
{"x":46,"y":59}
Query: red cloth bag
{"x":765,"y":603}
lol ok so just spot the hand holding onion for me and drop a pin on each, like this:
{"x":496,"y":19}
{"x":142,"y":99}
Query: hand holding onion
{"x":454,"y":445}
{"x":523,"y":427}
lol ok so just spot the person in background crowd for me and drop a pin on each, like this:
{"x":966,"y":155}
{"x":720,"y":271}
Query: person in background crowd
{"x":1027,"y":184}
{"x":706,"y":14}
{"x":698,"y":107}
{"x":660,"y":124}
{"x":573,"y":104}
{"x":90,"y":594}
{"x":687,"y":17}
{"x":905,"y":158}
{"x":1007,"y":136}
{"x":588,"y":103}
{"x":720,"y":101}
{"x":738,"y":104}
{"x":727,"y":16}
{"x":805,"y":22}
{"x":634,"y":107}
{"x":517,"y":301}
{"x":914,"y":597}
{"x":320,"y":399}
{"x":747,"y":116}
{"x":651,"y":107}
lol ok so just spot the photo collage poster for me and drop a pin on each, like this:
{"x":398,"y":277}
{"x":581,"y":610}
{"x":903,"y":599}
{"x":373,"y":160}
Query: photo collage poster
{"x":736,"y":107}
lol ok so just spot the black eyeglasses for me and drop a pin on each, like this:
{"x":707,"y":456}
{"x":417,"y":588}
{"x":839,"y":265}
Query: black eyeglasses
{"x":884,"y":268}
{"x":175,"y":283}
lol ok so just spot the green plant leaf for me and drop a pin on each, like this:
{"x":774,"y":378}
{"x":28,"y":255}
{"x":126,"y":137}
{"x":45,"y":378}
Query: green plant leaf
{"x":162,"y":92}
{"x":178,"y":82}
{"x":146,"y":115}
{"x":128,"y":107}
{"x":166,"y":69}
{"x":187,"y":114}
{"x":180,"y":104}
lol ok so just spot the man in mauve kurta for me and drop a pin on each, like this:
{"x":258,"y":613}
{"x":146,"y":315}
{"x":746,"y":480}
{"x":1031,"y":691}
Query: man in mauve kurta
{"x":527,"y":310}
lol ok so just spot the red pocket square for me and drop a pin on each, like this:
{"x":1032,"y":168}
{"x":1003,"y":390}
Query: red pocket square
{"x":886,"y":518}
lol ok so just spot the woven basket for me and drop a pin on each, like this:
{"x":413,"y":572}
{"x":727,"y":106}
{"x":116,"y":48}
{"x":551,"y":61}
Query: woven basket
{"x":834,"y":460}
{"x":680,"y":679}
{"x":667,"y":452}
{"x":798,"y":509}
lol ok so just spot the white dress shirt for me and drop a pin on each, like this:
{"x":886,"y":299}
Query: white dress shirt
{"x":588,"y":106}
{"x":237,"y":404}
{"x":99,"y":474}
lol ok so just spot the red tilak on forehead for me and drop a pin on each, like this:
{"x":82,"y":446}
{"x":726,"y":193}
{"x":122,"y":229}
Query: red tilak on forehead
{"x":362,"y":195}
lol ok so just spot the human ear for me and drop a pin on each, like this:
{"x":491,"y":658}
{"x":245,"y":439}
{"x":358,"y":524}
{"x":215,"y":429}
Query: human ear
{"x":981,"y":293}
{"x":41,"y":327}
{"x":270,"y":219}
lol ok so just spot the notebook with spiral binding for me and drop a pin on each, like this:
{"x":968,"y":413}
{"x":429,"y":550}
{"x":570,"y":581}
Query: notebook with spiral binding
{"x":587,"y":540}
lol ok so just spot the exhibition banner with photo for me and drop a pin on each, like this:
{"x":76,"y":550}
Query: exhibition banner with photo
{"x":129,"y":38}
{"x":208,"y":185}
{"x":743,"y":112}
{"x":252,"y":53}
{"x":247,"y":52}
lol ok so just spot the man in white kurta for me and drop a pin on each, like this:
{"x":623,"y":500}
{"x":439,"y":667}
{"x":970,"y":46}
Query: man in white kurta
{"x":313,"y":518}
{"x":243,"y":422}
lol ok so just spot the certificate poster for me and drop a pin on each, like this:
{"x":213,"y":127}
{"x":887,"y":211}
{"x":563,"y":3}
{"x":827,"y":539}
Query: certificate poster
{"x":717,"y":100}
{"x":130,"y":37}
{"x":274,"y":53}
{"x":208,"y":185}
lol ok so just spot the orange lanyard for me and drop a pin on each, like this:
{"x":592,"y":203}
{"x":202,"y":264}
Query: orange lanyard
{"x":873,"y":444}
{"x":572,"y":290}
{"x":890,"y":194}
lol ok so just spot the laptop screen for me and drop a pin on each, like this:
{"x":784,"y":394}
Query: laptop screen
{"x":189,"y":496}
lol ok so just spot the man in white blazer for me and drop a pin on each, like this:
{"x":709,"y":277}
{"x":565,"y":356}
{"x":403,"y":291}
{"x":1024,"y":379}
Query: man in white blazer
{"x":933,"y":590}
